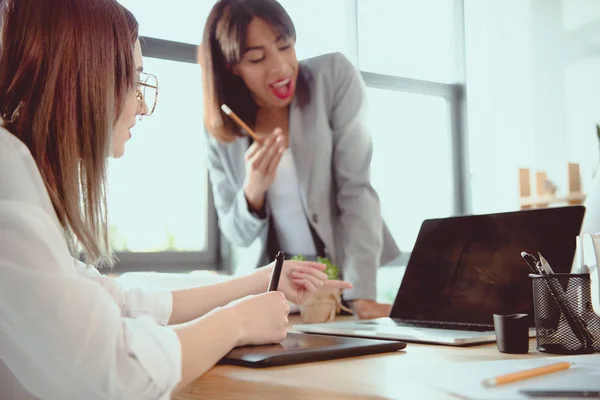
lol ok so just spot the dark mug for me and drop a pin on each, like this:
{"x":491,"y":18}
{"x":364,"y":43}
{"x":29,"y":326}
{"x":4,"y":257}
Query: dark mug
{"x":512,"y":333}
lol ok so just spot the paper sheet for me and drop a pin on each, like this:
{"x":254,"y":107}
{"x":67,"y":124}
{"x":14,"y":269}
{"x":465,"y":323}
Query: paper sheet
{"x":463,"y":380}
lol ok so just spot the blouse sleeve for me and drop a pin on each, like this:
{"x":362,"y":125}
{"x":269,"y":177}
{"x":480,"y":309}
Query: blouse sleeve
{"x":133,"y":302}
{"x":62,"y":335}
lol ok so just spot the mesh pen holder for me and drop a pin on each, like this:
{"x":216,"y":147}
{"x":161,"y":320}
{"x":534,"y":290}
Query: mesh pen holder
{"x":565,"y":321}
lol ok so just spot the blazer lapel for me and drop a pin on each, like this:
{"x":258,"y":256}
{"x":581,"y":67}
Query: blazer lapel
{"x":300,"y":132}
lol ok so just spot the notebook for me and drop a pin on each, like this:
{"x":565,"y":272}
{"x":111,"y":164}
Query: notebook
{"x":464,"y":269}
{"x":300,"y":348}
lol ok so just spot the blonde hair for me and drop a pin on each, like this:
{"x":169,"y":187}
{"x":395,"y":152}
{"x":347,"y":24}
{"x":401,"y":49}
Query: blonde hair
{"x":66,"y":70}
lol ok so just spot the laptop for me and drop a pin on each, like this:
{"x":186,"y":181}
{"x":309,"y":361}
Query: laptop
{"x":300,"y":348}
{"x":463,"y":270}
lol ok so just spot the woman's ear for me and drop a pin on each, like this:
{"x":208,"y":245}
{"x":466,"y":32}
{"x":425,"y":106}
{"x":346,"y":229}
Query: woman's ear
{"x":234,"y":69}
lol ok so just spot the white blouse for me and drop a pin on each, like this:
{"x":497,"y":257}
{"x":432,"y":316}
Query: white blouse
{"x":66,"y":331}
{"x":285,"y":204}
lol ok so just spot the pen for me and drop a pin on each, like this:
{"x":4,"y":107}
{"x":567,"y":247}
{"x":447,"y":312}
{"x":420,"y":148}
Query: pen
{"x":239,"y":121}
{"x":274,"y":282}
{"x":531,"y":262}
{"x":562,"y":393}
{"x":526,"y":374}
{"x":545,"y":265}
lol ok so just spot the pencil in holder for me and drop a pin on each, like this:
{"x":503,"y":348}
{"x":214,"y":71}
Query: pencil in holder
{"x":565,"y":321}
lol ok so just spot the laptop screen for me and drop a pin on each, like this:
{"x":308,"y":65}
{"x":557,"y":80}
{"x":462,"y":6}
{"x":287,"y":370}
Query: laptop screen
{"x":465,"y":269}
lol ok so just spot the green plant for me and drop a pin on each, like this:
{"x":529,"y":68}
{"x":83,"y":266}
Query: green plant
{"x":171,"y":245}
{"x":331,"y":270}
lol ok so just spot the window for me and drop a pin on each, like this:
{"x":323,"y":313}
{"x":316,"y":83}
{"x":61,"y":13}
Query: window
{"x":160,"y":206}
{"x":174,"y":20}
{"x":331,"y":29}
{"x":412,"y":39}
{"x":158,"y":190}
{"x":160,"y":199}
{"x":183,"y":21}
{"x":408,"y":53}
{"x":412,"y":160}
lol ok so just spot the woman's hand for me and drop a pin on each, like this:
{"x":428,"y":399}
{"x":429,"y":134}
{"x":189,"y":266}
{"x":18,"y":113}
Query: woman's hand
{"x":367,"y":309}
{"x":300,"y":280}
{"x":262,"y":160}
{"x":263,"y":318}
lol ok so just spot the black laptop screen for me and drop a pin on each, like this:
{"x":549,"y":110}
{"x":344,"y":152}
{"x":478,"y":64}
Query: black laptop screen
{"x":465,"y":269}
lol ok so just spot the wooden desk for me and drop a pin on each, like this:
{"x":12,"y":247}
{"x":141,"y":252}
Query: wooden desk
{"x":400,"y":375}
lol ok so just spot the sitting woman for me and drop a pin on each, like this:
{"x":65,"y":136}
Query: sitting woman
{"x":70,"y":91}
{"x":303,"y":185}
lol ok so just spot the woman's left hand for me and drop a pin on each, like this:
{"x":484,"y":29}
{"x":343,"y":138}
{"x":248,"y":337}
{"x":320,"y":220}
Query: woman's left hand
{"x":300,"y":280}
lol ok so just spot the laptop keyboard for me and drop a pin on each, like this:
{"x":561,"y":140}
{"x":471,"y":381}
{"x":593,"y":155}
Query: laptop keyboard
{"x":430,"y":324}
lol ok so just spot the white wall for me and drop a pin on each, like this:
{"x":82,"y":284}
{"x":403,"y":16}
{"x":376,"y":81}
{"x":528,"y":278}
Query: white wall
{"x":579,"y":13}
{"x":499,"y":98}
{"x":533,"y":95}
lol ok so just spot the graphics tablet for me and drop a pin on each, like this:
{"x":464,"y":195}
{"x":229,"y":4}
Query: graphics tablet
{"x":301,"y":348}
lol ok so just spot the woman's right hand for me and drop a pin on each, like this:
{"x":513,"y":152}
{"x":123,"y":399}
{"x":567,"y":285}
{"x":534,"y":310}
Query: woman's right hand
{"x":263,"y":318}
{"x":262,"y":160}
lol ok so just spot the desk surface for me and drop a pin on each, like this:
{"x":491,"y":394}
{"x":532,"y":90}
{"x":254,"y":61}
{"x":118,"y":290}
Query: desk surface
{"x":387,"y":376}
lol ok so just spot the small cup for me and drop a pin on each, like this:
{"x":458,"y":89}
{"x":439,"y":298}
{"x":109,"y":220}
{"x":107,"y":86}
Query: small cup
{"x":512,"y":333}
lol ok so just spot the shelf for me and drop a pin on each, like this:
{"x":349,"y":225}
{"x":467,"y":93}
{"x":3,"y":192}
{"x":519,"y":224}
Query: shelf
{"x":546,"y":200}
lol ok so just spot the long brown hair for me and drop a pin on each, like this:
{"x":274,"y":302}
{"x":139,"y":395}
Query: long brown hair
{"x":223,"y":45}
{"x":66,"y":67}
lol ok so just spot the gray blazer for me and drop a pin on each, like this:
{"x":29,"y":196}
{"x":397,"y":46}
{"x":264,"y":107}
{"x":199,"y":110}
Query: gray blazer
{"x":332,"y":149}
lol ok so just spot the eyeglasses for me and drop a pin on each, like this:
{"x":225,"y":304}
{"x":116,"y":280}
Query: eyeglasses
{"x":147,"y":92}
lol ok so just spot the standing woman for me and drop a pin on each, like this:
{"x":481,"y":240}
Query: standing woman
{"x":71,"y":87}
{"x":303,"y":185}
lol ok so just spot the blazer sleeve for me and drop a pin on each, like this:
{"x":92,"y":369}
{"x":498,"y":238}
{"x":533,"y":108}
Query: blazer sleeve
{"x":359,"y":222}
{"x":237,"y":223}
